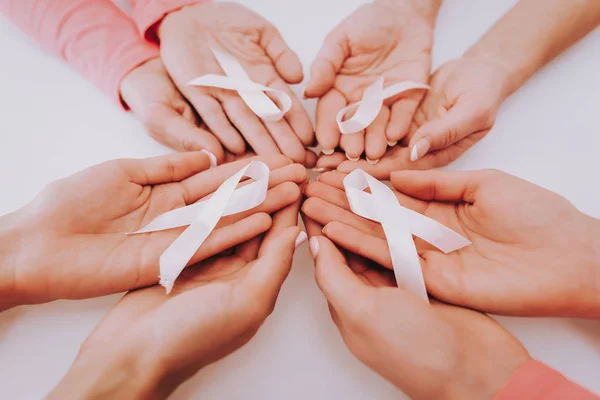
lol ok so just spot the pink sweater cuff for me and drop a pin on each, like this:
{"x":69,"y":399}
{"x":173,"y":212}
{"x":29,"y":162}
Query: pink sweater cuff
{"x":149,"y":13}
{"x":536,"y":381}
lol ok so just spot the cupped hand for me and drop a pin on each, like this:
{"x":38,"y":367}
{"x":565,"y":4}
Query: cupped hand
{"x":150,"y":343}
{"x":153,"y":98}
{"x":186,"y":36}
{"x":532,"y":252}
{"x":390,"y":39}
{"x":429,"y":351}
{"x":458,"y":111}
{"x":74,"y":241}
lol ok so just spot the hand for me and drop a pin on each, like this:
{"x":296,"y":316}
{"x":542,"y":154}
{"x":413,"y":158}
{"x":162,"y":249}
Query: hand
{"x":151,"y":95}
{"x":149,"y":343}
{"x":432,"y":351}
{"x":73,"y":241}
{"x":458,"y":111}
{"x":186,"y":36}
{"x":532,"y":252}
{"x":385,"y":38}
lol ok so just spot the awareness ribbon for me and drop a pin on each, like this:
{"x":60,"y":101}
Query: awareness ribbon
{"x":203,"y":216}
{"x":399,"y":224}
{"x":251,"y":92}
{"x":368,"y":108}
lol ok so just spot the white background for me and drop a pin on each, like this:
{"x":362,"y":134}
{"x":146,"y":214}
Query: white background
{"x":54,"y":123}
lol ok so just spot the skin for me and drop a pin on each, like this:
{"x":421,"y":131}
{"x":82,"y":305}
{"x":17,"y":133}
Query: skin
{"x":429,"y":351}
{"x":149,"y":343}
{"x":457,"y":112}
{"x":153,"y":98}
{"x":384,"y":38}
{"x":186,"y":36}
{"x":90,"y":213}
{"x":532,"y":252}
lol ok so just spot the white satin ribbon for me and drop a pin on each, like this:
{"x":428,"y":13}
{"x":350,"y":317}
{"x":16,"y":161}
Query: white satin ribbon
{"x":251,"y":92}
{"x":368,"y":108}
{"x":399,"y":224}
{"x":203,"y":216}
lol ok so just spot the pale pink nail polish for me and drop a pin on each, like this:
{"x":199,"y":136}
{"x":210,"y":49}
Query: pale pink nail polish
{"x":419,"y":149}
{"x":301,"y":238}
{"x":327,"y":152}
{"x":314,"y":246}
{"x":211,"y":157}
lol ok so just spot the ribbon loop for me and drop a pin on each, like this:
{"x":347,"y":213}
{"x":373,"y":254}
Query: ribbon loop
{"x":251,"y":92}
{"x":203,"y":216}
{"x":399,"y":225}
{"x":368,"y":108}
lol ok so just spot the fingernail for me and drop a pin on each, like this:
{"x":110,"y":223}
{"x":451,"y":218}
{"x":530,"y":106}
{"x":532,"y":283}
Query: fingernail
{"x":392,"y":144}
{"x":300,"y":239}
{"x":319,"y":169}
{"x":327,"y":152}
{"x":419,"y":149}
{"x":352,"y":158}
{"x":313,"y":245}
{"x":372,"y":162}
{"x":211,"y":157}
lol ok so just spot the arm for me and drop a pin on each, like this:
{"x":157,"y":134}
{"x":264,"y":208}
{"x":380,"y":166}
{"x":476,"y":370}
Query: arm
{"x":533,"y":33}
{"x":148,"y":14}
{"x":536,"y":381}
{"x":94,"y":36}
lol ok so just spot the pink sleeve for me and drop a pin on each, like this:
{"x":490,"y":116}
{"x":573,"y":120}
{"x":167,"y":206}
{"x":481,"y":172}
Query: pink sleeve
{"x":536,"y":381}
{"x":147,"y":14}
{"x":94,"y":36}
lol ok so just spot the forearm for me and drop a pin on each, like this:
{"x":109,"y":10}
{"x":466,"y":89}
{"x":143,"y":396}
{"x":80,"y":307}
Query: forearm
{"x":94,"y":36}
{"x":533,"y":32}
{"x":109,"y":374}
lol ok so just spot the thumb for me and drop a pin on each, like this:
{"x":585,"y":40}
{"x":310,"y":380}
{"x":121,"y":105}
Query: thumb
{"x":175,"y":131}
{"x":334,"y":277}
{"x":265,"y":277}
{"x":463,"y":119}
{"x":327,"y":63}
{"x":286,"y":62}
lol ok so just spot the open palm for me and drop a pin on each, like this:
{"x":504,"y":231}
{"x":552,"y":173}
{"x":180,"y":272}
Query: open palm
{"x":531,"y":252}
{"x":76,"y":228}
{"x":186,"y":39}
{"x":380,"y":39}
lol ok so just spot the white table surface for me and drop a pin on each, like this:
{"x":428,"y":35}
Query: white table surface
{"x":54,"y":123}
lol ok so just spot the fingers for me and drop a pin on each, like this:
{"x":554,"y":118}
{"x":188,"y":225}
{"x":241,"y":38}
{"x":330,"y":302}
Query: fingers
{"x":297,"y":116}
{"x":165,"y":169}
{"x":173,"y":130}
{"x":310,"y":159}
{"x":275,"y":256}
{"x":327,"y":131}
{"x":336,"y":280}
{"x":323,"y":212}
{"x":285,"y":60}
{"x":211,"y":112}
{"x":402,"y":112}
{"x":375,"y":137}
{"x":220,"y":239}
{"x":328,"y":193}
{"x":330,"y":162}
{"x":357,"y":242}
{"x":286,"y":139}
{"x":353,"y":144}
{"x":200,"y":185}
{"x":460,"y":121}
{"x":277,"y":198}
{"x":327,"y":63}
{"x":248,"y":124}
{"x":439,"y":185}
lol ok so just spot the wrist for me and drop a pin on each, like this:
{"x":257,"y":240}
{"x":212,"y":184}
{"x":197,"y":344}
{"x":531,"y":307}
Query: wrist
{"x":11,"y":242}
{"x":97,"y":373}
{"x":590,"y":299}
{"x":426,"y":9}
